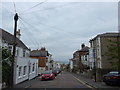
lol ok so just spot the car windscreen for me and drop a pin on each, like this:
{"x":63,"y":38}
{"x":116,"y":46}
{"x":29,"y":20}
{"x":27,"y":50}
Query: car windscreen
{"x":113,"y":73}
{"x":53,"y":70}
{"x":46,"y":72}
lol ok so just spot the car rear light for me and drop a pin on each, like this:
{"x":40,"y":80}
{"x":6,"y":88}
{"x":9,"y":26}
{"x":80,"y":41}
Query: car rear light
{"x":115,"y":77}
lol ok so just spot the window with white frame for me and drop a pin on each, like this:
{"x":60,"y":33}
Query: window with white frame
{"x":33,"y":69}
{"x":19,"y":71}
{"x":85,"y":57}
{"x":30,"y":68}
{"x":24,"y":70}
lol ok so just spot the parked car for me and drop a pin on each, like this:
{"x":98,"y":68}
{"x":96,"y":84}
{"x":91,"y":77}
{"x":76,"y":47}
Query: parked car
{"x":112,"y":78}
{"x":54,"y":72}
{"x":47,"y":75}
{"x":58,"y":71}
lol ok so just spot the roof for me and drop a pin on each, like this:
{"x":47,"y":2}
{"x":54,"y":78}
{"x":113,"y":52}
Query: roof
{"x":106,"y":35}
{"x":9,"y":38}
{"x":38,"y":53}
{"x":85,"y":49}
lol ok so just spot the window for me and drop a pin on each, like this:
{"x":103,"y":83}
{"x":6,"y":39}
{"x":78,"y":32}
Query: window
{"x":10,"y":48}
{"x":19,"y":73}
{"x":17,"y":52}
{"x":33,"y":69}
{"x":30,"y":68}
{"x":23,"y":53}
{"x":85,"y":57}
{"x":24,"y":70}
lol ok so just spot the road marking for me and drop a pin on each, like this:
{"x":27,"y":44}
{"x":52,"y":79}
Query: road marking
{"x":83,"y":82}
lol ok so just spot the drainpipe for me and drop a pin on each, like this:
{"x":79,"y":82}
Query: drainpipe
{"x":94,"y":64}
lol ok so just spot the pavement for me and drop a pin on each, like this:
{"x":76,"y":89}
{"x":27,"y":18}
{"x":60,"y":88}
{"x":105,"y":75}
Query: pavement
{"x":26,"y":84}
{"x":92,"y":83}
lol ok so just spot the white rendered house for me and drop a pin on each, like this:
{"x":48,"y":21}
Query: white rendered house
{"x":24,"y":66}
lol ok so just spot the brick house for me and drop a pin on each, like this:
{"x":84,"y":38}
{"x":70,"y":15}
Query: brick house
{"x":43,"y":57}
{"x":76,"y":61}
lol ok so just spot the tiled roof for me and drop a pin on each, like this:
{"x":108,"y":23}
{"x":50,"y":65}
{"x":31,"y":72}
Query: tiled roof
{"x":37,"y":53}
{"x":85,"y":49}
{"x":9,"y":38}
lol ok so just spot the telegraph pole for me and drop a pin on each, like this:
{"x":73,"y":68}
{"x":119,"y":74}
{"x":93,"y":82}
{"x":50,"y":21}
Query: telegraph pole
{"x":14,"y":49}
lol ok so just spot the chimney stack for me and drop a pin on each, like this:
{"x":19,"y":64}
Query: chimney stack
{"x":18,"y":34}
{"x":82,"y":46}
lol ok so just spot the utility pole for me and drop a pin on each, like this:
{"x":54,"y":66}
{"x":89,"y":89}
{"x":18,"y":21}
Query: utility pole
{"x":14,"y":50}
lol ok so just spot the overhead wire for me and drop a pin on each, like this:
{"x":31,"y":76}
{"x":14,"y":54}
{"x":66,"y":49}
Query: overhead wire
{"x":34,"y":42}
{"x":28,"y":23}
{"x":8,"y":9}
{"x":49,"y":8}
{"x":53,"y":27}
{"x":33,"y":7}
{"x":14,"y":6}
{"x":32,"y":27}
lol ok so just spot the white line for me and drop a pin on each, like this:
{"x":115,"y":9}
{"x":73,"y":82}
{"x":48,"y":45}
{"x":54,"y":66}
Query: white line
{"x":83,"y":82}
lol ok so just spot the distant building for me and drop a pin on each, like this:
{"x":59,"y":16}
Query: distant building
{"x":99,"y":48}
{"x":56,"y":65}
{"x":78,"y":61}
{"x":43,"y":57}
{"x":24,"y":67}
{"x":71,"y":65}
{"x":85,"y":59}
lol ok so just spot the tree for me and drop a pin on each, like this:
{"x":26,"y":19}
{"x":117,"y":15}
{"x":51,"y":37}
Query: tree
{"x":6,"y":66}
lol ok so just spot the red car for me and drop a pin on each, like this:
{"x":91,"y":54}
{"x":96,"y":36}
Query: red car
{"x":47,"y":75}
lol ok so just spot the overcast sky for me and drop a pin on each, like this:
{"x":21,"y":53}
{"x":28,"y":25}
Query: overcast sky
{"x":61,"y":27}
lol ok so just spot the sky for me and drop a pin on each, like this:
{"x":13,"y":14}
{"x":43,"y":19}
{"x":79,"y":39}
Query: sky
{"x":61,"y":27}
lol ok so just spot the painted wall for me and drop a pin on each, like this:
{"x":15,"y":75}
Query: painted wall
{"x":26,"y":68}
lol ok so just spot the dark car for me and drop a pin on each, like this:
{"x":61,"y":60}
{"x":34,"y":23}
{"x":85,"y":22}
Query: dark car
{"x":54,"y":72}
{"x":112,"y":78}
{"x":58,"y":70}
{"x":47,"y":75}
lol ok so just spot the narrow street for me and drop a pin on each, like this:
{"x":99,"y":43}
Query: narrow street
{"x":63,"y":80}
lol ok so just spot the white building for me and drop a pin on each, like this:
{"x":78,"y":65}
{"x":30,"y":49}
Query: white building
{"x":48,"y":63}
{"x":85,"y":59}
{"x":24,"y":66}
{"x":91,"y":58}
{"x":56,"y":65}
{"x":71,"y":65}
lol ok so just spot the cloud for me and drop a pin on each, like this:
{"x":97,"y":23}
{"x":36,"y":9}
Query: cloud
{"x":61,"y":30}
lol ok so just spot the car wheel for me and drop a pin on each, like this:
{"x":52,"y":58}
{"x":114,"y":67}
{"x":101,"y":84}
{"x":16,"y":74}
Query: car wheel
{"x":107,"y":84}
